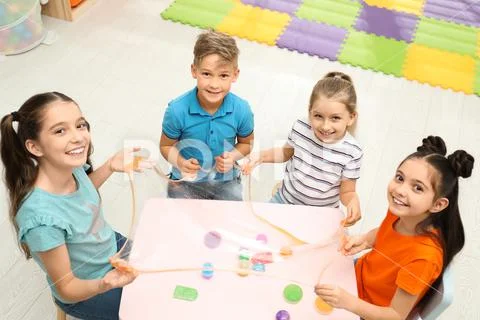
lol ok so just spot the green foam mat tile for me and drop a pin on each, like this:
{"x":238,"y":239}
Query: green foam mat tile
{"x":373,"y":52}
{"x":440,"y":52}
{"x":447,"y":36}
{"x":201,"y":13}
{"x":340,"y":13}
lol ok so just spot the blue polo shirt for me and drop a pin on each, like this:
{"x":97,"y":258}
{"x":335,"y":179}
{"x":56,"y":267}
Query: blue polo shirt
{"x":203,"y":136}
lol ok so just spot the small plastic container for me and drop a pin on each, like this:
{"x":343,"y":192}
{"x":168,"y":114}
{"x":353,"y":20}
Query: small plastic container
{"x":21,"y":27}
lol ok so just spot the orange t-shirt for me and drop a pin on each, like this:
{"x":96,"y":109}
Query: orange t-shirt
{"x":418,"y":261}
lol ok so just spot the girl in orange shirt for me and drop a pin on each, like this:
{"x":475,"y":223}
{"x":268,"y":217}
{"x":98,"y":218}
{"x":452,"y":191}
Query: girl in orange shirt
{"x":417,"y":240}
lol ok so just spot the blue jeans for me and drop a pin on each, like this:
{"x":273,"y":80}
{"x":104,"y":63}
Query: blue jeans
{"x":104,"y":306}
{"x":210,"y":190}
{"x":276,"y":198}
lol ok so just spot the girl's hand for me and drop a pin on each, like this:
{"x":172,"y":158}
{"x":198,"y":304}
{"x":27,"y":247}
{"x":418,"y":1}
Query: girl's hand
{"x":118,"y":278}
{"x":126,"y":161}
{"x":225,"y":162}
{"x":250,"y":163}
{"x":354,"y":244}
{"x":353,"y":212}
{"x":335,"y":296}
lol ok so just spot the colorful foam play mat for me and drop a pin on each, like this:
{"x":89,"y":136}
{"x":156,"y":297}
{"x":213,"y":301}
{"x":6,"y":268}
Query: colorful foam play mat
{"x":430,"y":41}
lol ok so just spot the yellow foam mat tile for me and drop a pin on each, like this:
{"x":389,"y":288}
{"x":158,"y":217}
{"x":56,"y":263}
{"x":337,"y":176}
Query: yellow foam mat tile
{"x":254,"y":23}
{"x":408,"y":6}
{"x":380,"y":3}
{"x":440,"y":68}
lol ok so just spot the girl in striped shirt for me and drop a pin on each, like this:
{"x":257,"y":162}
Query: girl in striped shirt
{"x":323,"y":158}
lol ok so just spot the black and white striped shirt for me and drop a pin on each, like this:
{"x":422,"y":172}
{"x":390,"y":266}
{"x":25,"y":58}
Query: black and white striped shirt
{"x":316,"y":169}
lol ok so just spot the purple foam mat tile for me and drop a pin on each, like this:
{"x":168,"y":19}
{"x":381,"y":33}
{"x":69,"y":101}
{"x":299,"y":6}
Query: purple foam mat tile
{"x":313,"y":38}
{"x":286,"y":6}
{"x":387,"y":23}
{"x":459,"y":11}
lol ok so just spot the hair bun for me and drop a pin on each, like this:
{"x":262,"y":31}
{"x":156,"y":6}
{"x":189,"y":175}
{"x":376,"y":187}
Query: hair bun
{"x":338,"y":75}
{"x":433,"y":144}
{"x":462,"y":163}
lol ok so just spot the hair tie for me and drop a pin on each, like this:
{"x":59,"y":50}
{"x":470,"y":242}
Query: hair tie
{"x":14,"y":116}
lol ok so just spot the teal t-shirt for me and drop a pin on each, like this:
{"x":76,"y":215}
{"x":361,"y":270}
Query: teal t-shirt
{"x":47,"y":220}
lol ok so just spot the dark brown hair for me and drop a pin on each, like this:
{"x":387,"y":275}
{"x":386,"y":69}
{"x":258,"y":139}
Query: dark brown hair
{"x":447,"y":223}
{"x":21,"y":168}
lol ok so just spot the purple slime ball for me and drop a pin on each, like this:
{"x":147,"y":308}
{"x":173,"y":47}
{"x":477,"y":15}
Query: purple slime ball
{"x":282,"y":315}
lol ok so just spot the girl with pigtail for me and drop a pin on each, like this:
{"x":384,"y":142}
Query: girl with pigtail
{"x":323,"y":159}
{"x":55,"y":207}
{"x":415,"y":243}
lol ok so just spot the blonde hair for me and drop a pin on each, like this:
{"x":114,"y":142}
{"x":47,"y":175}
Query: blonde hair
{"x":338,"y":87}
{"x":213,"y":42}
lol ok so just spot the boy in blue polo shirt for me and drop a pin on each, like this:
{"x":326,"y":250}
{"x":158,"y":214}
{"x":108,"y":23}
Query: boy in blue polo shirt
{"x":206,"y":130}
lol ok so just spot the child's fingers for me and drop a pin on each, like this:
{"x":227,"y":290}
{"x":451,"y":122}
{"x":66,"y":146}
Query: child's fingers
{"x":325,"y":294}
{"x":349,"y":243}
{"x":189,"y":170}
{"x":226,"y":155}
{"x":219,"y":161}
{"x":354,"y":247}
{"x":350,"y":215}
{"x":348,"y":223}
{"x":246,"y":171}
{"x":129,"y":151}
{"x":144,"y":164}
{"x":350,"y":252}
{"x":324,"y":290}
{"x":324,"y":286}
{"x":193,"y":164}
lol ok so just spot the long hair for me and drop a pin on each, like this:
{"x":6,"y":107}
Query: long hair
{"x":448,"y":226}
{"x":21,"y":169}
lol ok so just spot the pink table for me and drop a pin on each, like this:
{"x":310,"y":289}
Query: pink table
{"x":171,"y":234}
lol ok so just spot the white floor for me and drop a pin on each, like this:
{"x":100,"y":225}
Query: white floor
{"x":123,"y":63}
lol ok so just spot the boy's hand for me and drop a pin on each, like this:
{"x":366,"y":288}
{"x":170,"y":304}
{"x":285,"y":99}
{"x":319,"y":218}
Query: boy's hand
{"x":225,"y":162}
{"x":253,"y":161}
{"x":188,"y":168}
{"x":354,"y":244}
{"x":353,"y":212}
{"x":335,"y":296}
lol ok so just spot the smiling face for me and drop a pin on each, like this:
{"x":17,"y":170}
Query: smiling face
{"x":330,"y":119}
{"x":411,"y":194}
{"x":214,"y":78}
{"x":64,"y":138}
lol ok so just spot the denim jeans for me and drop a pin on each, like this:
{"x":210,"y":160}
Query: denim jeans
{"x":276,"y":198}
{"x":104,"y":306}
{"x":210,"y":190}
